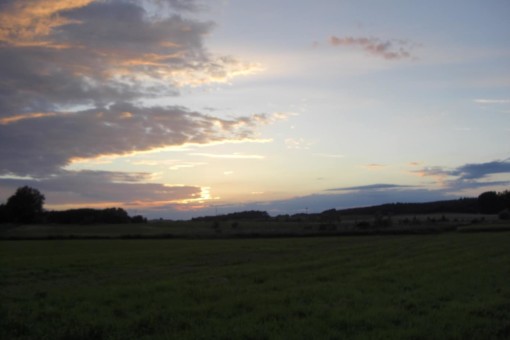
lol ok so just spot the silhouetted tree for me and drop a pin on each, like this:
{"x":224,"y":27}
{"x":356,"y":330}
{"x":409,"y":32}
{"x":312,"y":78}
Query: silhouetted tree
{"x":138,"y":219}
{"x":115,"y":215}
{"x":4,"y":216}
{"x":26,"y":205}
{"x":489,"y":203}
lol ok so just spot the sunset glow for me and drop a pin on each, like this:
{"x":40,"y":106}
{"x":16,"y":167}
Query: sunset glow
{"x":176,"y":109}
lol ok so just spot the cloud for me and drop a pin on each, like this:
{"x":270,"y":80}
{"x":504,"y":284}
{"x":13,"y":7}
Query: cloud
{"x":387,"y":49}
{"x":471,"y":175}
{"x":228,"y":156}
{"x":22,"y":23}
{"x":492,"y":101}
{"x":74,"y":73}
{"x":470,"y":171}
{"x":63,"y":54}
{"x":374,"y":166}
{"x":102,"y":188}
{"x":43,"y":145}
{"x":330,"y":155}
{"x":298,"y":143}
{"x":350,"y":199}
{"x":372,"y":187}
{"x":481,"y":170}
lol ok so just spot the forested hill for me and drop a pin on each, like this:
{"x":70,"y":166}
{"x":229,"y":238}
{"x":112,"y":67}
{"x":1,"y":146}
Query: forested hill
{"x":463,"y":205}
{"x":487,"y":203}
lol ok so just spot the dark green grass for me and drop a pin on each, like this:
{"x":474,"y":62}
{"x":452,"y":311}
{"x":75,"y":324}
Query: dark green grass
{"x":447,"y":286}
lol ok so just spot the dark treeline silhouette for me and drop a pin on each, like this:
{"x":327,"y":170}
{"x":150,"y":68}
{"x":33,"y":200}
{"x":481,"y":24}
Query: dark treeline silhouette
{"x":92,"y":216}
{"x":26,"y":206}
{"x":487,"y":203}
{"x":252,"y":215}
{"x":462,"y":206}
{"x":492,"y":202}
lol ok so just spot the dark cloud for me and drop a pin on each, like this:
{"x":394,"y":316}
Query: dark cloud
{"x":100,"y":53}
{"x":72,"y":72}
{"x":472,"y":175}
{"x":387,"y":49}
{"x":74,"y":75}
{"x":102,"y":187}
{"x":481,"y":170}
{"x":41,"y":146}
{"x":470,"y":171}
{"x":371,"y":187}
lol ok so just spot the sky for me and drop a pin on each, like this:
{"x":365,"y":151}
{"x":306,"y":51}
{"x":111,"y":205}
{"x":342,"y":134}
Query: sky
{"x":175,"y":109}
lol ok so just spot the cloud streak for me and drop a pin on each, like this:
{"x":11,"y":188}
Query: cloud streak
{"x":43,"y":145}
{"x":471,"y":175}
{"x":372,"y":187}
{"x":386,"y":49}
{"x":93,"y":188}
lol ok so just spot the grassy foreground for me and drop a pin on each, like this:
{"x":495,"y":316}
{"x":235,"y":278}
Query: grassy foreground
{"x":446,"y":286}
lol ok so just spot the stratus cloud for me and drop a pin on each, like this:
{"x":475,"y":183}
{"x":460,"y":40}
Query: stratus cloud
{"x":387,"y":49}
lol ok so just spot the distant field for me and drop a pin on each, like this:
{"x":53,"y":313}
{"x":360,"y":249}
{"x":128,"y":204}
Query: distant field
{"x":445,"y":286}
{"x":201,"y":229}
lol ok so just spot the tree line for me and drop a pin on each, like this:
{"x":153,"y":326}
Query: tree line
{"x":26,"y":206}
{"x":489,"y":202}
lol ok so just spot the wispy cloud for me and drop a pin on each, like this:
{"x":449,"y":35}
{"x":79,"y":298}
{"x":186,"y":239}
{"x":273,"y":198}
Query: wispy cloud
{"x":492,"y":101}
{"x":228,"y":156}
{"x":374,"y":166}
{"x":171,"y":164}
{"x":387,"y":49}
{"x":330,"y":155}
{"x":372,"y":187}
{"x":298,"y":143}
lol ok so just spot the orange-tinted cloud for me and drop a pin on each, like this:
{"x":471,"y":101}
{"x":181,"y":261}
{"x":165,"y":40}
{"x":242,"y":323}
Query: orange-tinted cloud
{"x":374,"y":166}
{"x":30,"y":22}
{"x":44,"y":145}
{"x":387,"y":49}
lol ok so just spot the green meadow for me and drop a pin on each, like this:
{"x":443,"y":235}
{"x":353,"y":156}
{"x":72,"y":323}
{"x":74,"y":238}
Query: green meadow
{"x":443,"y":286}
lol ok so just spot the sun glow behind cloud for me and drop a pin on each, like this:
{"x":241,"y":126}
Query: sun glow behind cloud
{"x":162,"y":104}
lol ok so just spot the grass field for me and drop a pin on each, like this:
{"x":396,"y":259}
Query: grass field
{"x":445,"y":286}
{"x":223,"y":229}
